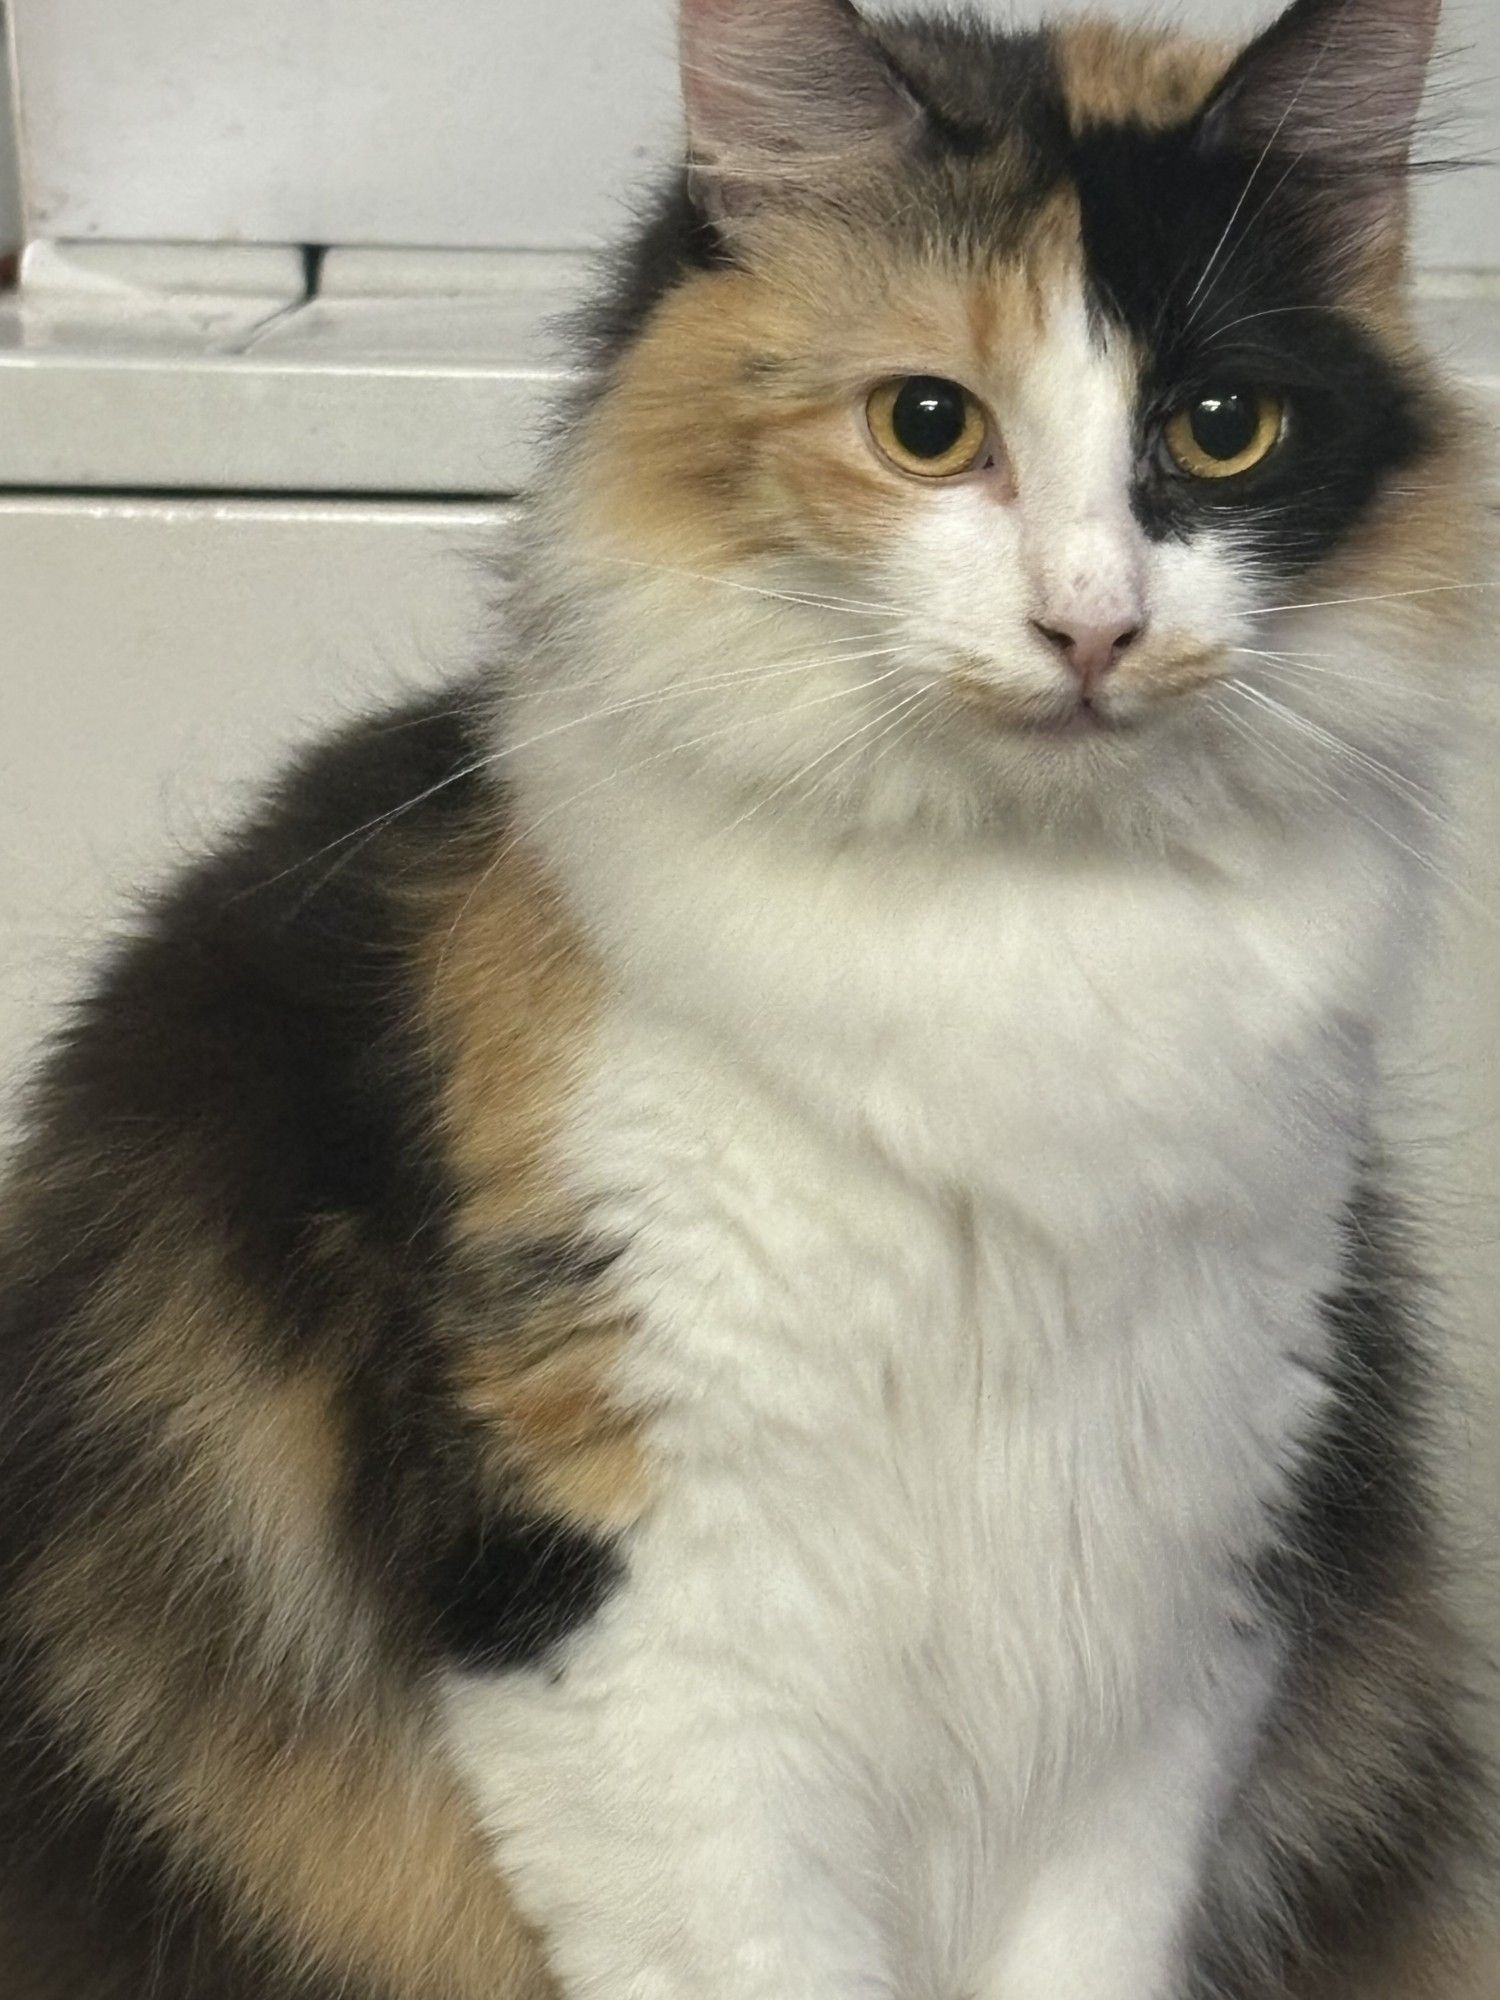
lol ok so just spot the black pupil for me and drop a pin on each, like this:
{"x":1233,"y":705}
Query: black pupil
{"x":930,"y":417}
{"x":1225,"y":424}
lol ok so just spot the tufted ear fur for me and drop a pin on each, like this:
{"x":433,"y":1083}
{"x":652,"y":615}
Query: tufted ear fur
{"x":778,"y":92}
{"x":1334,"y":88}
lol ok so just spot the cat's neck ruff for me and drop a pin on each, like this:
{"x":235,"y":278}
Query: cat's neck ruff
{"x":1063,"y":1032}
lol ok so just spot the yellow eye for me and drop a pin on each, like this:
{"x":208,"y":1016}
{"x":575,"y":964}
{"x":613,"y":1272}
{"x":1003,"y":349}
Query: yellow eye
{"x":1225,"y":432}
{"x":928,"y":426}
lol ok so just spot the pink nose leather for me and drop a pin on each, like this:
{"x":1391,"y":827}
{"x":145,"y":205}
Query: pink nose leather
{"x":1090,"y":650}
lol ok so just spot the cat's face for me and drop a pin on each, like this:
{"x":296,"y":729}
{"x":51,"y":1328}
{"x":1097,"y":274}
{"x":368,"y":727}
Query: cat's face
{"x":994,"y":402}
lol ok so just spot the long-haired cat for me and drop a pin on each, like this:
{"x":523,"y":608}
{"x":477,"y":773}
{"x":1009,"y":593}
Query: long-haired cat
{"x":720,"y":1319}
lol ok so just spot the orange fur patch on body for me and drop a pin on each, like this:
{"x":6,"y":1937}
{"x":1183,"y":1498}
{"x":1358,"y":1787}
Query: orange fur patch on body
{"x":204,"y":1660}
{"x":240,"y":1463}
{"x":554,"y":1427}
{"x":341,"y":1837}
{"x":513,"y":995}
{"x":1436,"y":1964}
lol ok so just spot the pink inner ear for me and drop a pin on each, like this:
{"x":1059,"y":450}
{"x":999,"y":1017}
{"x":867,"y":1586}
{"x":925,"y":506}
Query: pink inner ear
{"x":767,"y":83}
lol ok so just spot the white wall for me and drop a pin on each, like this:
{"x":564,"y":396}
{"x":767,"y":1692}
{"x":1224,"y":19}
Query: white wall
{"x":459,"y":122}
{"x":504,"y":122}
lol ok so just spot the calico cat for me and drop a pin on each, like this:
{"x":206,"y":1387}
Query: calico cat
{"x":719,"y":1319}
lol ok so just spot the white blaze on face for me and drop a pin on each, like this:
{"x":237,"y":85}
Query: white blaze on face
{"x":1054,"y":542}
{"x":1069,"y":435}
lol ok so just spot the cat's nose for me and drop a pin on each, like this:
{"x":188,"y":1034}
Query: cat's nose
{"x":1090,"y":650}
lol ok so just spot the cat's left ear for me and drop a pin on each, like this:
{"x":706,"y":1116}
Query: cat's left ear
{"x":1335,"y":86}
{"x":781,"y":93}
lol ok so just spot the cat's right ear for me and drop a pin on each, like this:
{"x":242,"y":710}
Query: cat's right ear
{"x":779,"y":93}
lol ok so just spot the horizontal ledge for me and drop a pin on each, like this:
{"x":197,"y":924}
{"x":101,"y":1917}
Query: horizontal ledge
{"x":496,"y":503}
{"x":335,"y":510}
{"x":140,"y":369}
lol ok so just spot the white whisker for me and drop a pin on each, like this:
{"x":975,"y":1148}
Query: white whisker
{"x":855,"y":735}
{"x":613,"y":777}
{"x":810,"y":599}
{"x":1293,"y":670}
{"x":687,"y":690}
{"x":1270,"y":312}
{"x":1254,"y":175}
{"x":861,"y":739}
{"x":1425,"y":862}
{"x":1377,"y":597}
{"x":370,"y":829}
{"x":836,"y":652}
{"x":1415,"y":795}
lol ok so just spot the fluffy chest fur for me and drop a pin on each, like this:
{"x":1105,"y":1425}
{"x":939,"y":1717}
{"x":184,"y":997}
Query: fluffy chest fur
{"x":977,"y":1221}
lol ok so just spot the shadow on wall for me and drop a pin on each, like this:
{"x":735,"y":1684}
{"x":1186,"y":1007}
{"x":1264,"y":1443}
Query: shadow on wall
{"x":10,"y":189}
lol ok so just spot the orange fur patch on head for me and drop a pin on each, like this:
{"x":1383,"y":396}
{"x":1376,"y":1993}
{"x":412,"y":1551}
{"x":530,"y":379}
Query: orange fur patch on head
{"x":734,"y":427}
{"x":1118,"y":75}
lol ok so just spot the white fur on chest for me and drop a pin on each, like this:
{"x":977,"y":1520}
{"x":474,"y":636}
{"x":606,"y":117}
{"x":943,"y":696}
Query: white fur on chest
{"x":977,"y":1220}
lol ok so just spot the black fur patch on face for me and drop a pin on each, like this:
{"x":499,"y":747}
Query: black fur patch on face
{"x":1225,"y":276}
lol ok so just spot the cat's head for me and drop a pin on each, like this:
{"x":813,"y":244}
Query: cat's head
{"x":974,"y":410}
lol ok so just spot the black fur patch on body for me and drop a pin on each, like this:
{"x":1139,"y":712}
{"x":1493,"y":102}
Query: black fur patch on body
{"x":248,"y":1085}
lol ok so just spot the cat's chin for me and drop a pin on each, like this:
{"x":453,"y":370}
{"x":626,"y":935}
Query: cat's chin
{"x":1004,"y":715}
{"x":1082,"y":724}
